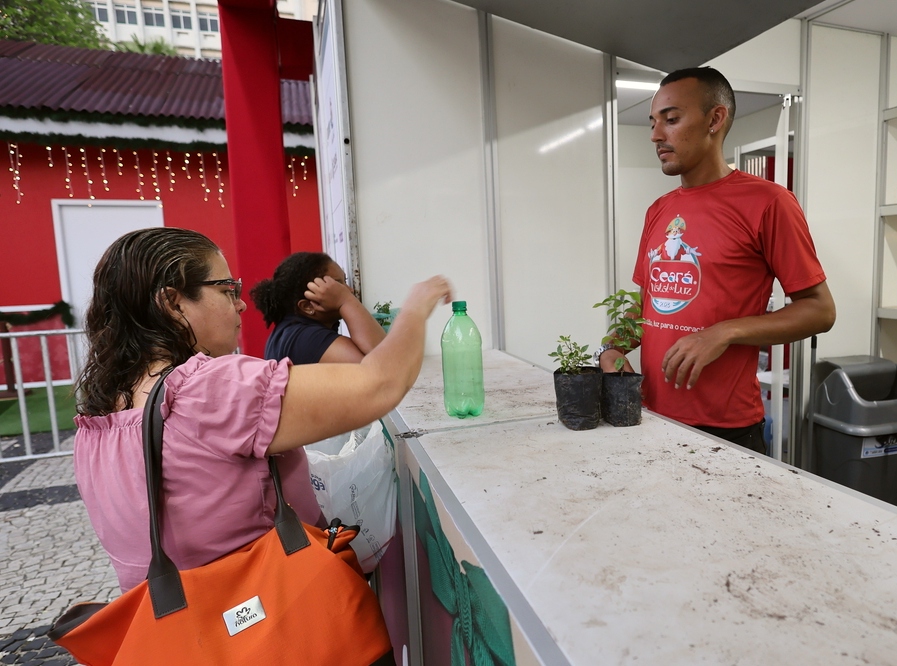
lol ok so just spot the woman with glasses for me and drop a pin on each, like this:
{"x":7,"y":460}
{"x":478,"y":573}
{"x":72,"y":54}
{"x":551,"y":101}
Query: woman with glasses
{"x":165,"y":298}
{"x":305,"y":300}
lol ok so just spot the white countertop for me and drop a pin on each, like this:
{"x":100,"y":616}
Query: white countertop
{"x":658,"y":545}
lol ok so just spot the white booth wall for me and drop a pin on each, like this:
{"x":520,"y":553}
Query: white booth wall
{"x":892,"y":70}
{"x":549,"y":96}
{"x":416,"y":103}
{"x":415,"y":87}
{"x":843,"y":115}
{"x":413,"y":77}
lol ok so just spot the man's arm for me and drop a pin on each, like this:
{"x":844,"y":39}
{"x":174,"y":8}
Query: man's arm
{"x":811,"y":311}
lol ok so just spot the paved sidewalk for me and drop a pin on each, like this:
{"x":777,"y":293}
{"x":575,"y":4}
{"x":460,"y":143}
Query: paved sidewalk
{"x":50,"y":554}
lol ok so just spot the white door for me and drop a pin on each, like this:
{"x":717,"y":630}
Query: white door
{"x":84,"y":229}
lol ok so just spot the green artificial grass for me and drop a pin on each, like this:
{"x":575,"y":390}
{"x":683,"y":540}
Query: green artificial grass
{"x":38,"y":412}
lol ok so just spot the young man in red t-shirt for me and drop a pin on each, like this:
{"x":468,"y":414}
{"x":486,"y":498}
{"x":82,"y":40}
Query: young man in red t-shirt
{"x":708,"y":255}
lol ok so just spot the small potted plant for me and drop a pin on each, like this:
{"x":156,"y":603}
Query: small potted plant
{"x":385,"y":314}
{"x":577,"y":386}
{"x":622,"y":404}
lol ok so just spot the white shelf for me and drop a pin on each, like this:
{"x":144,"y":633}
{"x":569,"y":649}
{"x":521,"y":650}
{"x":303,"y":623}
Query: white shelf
{"x":887,"y":313}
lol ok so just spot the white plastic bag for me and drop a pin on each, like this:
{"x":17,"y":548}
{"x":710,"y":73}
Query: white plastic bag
{"x":358,"y":485}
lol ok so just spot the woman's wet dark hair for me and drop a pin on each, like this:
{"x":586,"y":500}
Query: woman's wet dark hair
{"x":279,"y":296}
{"x":127,"y":322}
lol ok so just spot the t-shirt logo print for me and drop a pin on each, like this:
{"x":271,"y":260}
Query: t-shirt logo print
{"x":674,"y":271}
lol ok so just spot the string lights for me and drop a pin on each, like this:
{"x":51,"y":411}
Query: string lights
{"x":101,"y":158}
{"x":68,"y":172}
{"x":156,"y":175}
{"x":169,"y":161}
{"x":218,"y":178}
{"x":170,"y":171}
{"x":15,"y":167}
{"x":202,"y":172}
{"x":293,"y":174}
{"x":293,"y":180}
{"x":139,"y":176}
{"x":87,"y":174}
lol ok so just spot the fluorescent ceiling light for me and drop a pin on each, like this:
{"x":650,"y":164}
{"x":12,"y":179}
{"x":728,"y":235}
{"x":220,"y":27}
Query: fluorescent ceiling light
{"x":638,"y":85}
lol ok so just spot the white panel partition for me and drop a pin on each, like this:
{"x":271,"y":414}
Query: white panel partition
{"x":640,"y":183}
{"x":552,"y":188}
{"x":892,"y":72}
{"x":843,"y":98}
{"x":772,"y":57}
{"x":413,"y":71}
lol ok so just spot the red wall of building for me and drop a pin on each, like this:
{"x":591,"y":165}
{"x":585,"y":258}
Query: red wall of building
{"x":29,"y":273}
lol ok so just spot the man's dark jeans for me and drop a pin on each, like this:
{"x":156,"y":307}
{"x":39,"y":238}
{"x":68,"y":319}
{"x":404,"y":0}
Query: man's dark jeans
{"x":750,"y":437}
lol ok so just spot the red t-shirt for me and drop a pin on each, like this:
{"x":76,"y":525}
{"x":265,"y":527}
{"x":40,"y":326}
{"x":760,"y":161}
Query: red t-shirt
{"x":709,"y":254}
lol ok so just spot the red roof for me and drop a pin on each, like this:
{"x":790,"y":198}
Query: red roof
{"x":47,"y":78}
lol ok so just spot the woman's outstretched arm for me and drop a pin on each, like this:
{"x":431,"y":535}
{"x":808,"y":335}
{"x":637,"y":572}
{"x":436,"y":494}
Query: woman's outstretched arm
{"x":326,"y":399}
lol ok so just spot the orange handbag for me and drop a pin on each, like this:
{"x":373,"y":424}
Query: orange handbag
{"x":293,"y":596}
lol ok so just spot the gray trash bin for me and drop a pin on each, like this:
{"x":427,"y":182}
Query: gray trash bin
{"x":854,"y":421}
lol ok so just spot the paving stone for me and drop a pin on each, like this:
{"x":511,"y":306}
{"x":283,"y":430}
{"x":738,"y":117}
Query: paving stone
{"x":48,"y":652}
{"x":12,"y":645}
{"x":51,"y":557}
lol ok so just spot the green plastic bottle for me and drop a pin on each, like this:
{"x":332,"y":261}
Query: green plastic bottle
{"x":462,"y":365}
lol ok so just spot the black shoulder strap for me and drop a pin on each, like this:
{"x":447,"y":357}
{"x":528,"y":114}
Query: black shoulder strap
{"x":166,"y":591}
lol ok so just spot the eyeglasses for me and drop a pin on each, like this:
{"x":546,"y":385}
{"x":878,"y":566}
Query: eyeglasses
{"x":236,"y":286}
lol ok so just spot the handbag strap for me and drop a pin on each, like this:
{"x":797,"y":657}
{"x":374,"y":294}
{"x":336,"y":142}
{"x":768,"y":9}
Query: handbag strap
{"x":163,"y":577}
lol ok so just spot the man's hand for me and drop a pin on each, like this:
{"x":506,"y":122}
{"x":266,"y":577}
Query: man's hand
{"x":684,"y":361}
{"x":812,"y":311}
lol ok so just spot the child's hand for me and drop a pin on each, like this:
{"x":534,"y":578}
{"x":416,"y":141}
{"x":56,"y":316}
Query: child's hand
{"x":327,"y":295}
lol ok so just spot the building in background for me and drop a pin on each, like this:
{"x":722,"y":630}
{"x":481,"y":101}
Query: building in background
{"x":191,"y":26}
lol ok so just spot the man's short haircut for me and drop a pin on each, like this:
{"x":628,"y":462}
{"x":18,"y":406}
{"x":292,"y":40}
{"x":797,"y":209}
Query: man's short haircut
{"x":717,"y":88}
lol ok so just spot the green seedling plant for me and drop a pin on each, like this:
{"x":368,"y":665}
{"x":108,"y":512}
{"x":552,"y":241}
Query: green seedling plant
{"x":570,"y":355}
{"x":383,"y":309}
{"x":624,"y":310}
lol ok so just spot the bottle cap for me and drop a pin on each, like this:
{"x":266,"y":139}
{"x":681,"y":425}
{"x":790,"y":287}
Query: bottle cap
{"x":459,"y":306}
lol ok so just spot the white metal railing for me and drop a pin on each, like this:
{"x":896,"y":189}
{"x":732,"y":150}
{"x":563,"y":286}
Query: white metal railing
{"x":14,"y":355}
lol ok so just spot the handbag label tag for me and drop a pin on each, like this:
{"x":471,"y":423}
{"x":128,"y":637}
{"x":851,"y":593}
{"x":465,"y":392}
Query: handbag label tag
{"x":244,"y":615}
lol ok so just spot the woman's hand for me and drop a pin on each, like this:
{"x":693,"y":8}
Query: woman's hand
{"x":425,"y":296}
{"x":325,"y":399}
